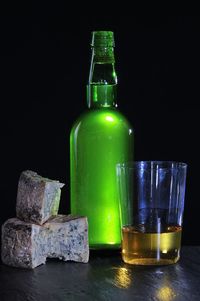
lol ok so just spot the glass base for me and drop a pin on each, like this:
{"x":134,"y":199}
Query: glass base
{"x":150,"y":261}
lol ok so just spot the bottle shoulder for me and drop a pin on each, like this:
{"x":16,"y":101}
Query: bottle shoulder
{"x":107,"y":117}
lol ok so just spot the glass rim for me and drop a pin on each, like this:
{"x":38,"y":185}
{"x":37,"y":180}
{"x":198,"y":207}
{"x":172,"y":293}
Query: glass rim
{"x":152,"y":164}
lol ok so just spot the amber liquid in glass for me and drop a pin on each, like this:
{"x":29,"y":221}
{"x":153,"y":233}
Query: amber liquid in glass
{"x":142,"y":247}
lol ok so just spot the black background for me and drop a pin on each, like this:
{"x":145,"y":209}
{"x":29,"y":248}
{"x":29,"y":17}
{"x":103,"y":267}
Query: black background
{"x":44,"y":68}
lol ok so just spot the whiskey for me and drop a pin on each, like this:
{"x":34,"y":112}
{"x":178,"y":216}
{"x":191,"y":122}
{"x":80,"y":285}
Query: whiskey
{"x":142,"y":247}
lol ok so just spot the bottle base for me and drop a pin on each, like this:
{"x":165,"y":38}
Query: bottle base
{"x":104,"y":247}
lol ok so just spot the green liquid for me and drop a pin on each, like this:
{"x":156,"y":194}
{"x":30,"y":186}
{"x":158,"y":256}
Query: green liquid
{"x":99,"y":140}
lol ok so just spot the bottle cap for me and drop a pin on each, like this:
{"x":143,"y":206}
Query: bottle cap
{"x":102,"y":39}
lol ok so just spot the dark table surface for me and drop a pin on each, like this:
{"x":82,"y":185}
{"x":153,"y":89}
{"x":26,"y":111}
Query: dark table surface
{"x":105,"y":277}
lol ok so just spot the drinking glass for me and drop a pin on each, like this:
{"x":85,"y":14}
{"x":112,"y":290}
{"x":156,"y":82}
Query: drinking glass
{"x":151,"y":211}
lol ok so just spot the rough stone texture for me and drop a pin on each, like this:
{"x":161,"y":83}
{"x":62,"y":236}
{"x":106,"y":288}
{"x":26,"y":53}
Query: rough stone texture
{"x":38,"y":198}
{"x":23,"y":244}
{"x":68,"y":238}
{"x":28,"y":245}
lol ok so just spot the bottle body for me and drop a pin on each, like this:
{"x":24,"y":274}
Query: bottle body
{"x":100,"y":138}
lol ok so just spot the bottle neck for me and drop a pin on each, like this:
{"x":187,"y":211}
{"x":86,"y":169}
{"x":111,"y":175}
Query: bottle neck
{"x":102,"y":86}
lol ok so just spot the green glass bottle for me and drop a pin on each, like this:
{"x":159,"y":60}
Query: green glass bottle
{"x":100,"y":138}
